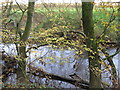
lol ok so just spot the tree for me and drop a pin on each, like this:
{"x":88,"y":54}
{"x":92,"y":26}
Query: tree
{"x":88,"y":27}
{"x":21,"y":72}
{"x":93,"y":44}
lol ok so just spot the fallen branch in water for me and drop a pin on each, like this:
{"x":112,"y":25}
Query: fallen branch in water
{"x":42,"y":74}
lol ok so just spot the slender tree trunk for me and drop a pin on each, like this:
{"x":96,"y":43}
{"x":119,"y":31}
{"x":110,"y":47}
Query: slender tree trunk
{"x":88,"y":27}
{"x":21,"y":72}
{"x":118,"y":42}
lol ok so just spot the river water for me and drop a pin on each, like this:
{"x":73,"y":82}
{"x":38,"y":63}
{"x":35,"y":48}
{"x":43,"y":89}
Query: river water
{"x":60,"y":62}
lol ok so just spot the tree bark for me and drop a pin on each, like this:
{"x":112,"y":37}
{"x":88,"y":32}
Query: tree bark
{"x":88,"y":27}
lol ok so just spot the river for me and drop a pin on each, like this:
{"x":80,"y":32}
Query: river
{"x":60,"y":62}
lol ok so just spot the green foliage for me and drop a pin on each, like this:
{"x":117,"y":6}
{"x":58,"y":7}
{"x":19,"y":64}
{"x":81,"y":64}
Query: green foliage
{"x":102,"y":17}
{"x":70,"y":18}
{"x":61,"y":17}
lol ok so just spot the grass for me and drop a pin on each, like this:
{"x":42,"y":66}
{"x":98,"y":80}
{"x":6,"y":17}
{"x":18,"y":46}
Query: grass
{"x":60,"y":17}
{"x":71,"y":18}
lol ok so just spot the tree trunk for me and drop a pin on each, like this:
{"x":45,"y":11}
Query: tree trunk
{"x":88,"y":27}
{"x":21,"y":72}
{"x":118,"y":43}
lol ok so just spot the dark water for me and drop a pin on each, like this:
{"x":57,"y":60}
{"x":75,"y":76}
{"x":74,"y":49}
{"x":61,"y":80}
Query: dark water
{"x":60,"y":62}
